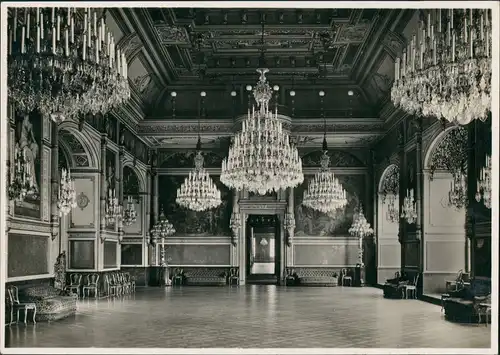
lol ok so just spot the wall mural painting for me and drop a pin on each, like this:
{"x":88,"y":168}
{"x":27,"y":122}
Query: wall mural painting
{"x":168,"y":159}
{"x":28,"y":142}
{"x":337,"y":158}
{"x":314,"y":223}
{"x":186,"y":222}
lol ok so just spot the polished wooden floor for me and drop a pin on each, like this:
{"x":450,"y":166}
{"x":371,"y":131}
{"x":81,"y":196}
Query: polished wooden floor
{"x":253,"y":317}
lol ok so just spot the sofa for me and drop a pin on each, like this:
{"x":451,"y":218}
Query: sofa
{"x":314,"y":276}
{"x":51,"y":303}
{"x":467,"y":304}
{"x":393,"y":288}
{"x":205,"y":276}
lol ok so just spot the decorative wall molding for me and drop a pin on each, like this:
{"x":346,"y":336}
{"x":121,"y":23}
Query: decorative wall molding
{"x":21,"y":224}
{"x":448,"y":151}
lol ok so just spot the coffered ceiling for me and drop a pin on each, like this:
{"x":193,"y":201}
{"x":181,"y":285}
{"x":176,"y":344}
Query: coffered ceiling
{"x":216,"y":50}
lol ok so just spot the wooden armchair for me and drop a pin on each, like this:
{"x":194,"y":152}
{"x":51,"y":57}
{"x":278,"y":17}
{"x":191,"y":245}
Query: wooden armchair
{"x":91,"y":285}
{"x":411,"y":287}
{"x":234,"y":276}
{"x":13,"y":294}
{"x":178,"y":277}
{"x":75,"y":281}
{"x":346,"y":277}
{"x":459,"y":282}
{"x":130,"y":282}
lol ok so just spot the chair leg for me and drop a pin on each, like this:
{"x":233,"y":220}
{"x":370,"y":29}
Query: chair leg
{"x":34,"y":315}
{"x":25,"y":315}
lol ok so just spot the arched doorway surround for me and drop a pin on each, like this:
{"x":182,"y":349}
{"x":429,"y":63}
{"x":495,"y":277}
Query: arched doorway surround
{"x":445,"y":247}
{"x":78,"y":229}
{"x":388,"y":246}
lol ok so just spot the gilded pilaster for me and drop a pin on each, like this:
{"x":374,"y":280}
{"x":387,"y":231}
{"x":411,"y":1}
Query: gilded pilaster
{"x":419,"y":188}
{"x":54,"y":182}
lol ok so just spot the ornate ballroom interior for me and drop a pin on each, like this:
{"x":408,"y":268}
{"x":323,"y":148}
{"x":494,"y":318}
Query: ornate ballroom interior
{"x":154,"y":152}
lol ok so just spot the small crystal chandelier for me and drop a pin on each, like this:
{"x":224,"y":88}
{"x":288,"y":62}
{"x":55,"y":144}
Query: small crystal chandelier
{"x":113,"y":208}
{"x":324,"y":193}
{"x":360,"y":228}
{"x":409,"y":210}
{"x":446,"y":69}
{"x":392,"y":214}
{"x":457,"y":196}
{"x":21,"y":180}
{"x":130,"y":214}
{"x":484,"y":184}
{"x":64,"y":61}
{"x":67,"y":194}
{"x":261,"y":158}
{"x":161,"y":230}
{"x":198,"y":192}
{"x":235,"y":225}
{"x":390,"y":193}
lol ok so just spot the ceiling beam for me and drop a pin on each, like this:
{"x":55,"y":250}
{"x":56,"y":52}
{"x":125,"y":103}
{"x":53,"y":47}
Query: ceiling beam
{"x":161,"y":62}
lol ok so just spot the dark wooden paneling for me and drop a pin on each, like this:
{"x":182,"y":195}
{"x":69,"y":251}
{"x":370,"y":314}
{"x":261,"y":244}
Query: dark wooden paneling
{"x":81,"y":254}
{"x":131,"y":254}
{"x":110,"y":255}
{"x":27,"y":255}
{"x":182,"y":254}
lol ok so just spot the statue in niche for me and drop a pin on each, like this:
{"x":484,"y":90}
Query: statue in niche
{"x":28,"y":146}
{"x":60,"y":272}
{"x":110,"y":177}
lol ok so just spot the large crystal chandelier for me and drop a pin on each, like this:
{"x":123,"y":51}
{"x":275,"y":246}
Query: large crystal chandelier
{"x":262,"y":158}
{"x":113,"y":208}
{"x":161,"y":230}
{"x":67,"y":194}
{"x":129,"y":214}
{"x":360,"y":228}
{"x":409,"y":210}
{"x":20,"y":177}
{"x":484,"y":184}
{"x":324,"y":193}
{"x":64,"y":61}
{"x":457,"y":196}
{"x":446,"y":69}
{"x":198,"y":192}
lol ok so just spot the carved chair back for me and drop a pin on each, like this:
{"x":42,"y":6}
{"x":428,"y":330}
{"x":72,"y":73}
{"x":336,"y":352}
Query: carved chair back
{"x":92,"y":279}
{"x":126,"y":277}
{"x":8,"y":298}
{"x":415,"y":281}
{"x":344,"y":272}
{"x":114,"y":279}
{"x":397,"y":275}
{"x":233,"y":272}
{"x":75,"y":279}
{"x":13,"y":294}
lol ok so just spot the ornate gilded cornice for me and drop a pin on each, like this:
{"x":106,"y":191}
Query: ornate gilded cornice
{"x":227,"y":127}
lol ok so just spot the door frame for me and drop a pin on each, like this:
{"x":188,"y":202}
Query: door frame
{"x":249,"y":207}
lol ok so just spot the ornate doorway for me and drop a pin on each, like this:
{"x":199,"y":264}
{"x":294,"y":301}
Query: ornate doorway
{"x":262,"y":250}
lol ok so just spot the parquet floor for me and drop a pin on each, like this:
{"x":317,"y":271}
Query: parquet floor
{"x":253,"y":316}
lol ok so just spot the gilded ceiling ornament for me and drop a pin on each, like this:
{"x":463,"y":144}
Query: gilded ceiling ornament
{"x":172,"y":34}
